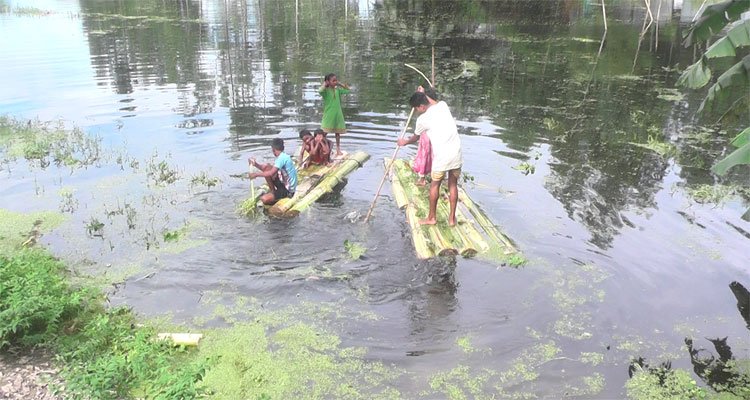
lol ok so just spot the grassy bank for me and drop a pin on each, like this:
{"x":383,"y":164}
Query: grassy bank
{"x":107,"y":353}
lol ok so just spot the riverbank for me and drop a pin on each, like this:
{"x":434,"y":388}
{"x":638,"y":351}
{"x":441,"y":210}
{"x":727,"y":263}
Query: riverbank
{"x":29,"y":375}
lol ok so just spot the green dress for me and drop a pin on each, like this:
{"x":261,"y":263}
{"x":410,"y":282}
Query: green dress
{"x":333,"y":116}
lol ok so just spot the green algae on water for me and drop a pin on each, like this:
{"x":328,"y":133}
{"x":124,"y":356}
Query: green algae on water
{"x":17,"y":229}
{"x":299,"y":361}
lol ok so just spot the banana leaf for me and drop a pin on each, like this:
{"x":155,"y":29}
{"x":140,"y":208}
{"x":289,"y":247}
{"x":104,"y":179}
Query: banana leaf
{"x":695,"y":76}
{"x":738,"y":36}
{"x":742,"y":139}
{"x":713,"y":19}
{"x":738,"y":76}
{"x":737,"y":157}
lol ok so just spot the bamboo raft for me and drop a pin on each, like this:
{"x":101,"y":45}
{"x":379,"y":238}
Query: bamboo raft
{"x":473,"y":235}
{"x":313,"y":182}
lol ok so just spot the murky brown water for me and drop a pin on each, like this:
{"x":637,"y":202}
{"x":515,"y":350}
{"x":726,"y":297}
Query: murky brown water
{"x":623,"y":261}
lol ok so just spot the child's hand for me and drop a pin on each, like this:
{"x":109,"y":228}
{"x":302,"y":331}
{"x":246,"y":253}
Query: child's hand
{"x":251,"y":161}
{"x":252,"y":175}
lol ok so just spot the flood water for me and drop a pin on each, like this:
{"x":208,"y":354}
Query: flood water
{"x":623,"y":261}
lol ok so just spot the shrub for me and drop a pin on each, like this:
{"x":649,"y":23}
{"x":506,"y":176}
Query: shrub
{"x":35,"y":299}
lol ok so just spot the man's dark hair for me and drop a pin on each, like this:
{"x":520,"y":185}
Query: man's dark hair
{"x":431,"y":92}
{"x":418,"y":99}
{"x":304,"y":133}
{"x":277,"y":144}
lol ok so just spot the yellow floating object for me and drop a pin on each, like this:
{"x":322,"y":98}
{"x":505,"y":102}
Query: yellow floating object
{"x":181,"y":339}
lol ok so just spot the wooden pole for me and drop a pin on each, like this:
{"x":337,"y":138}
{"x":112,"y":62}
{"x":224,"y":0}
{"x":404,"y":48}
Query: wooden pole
{"x":388,"y":167}
{"x":433,"y":63}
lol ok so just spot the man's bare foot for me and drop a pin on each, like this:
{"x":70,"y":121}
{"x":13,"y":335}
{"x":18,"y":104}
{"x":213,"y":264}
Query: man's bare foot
{"x":427,"y":222}
{"x":420,"y":182}
{"x":452,"y":222}
{"x":339,"y":153}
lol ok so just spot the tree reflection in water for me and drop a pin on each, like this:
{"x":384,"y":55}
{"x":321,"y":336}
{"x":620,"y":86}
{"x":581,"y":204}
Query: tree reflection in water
{"x":724,"y":374}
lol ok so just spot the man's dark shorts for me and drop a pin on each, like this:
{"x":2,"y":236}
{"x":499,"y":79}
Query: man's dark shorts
{"x":280,"y":191}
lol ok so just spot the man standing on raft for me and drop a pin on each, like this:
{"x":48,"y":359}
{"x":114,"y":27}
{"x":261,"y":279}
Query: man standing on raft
{"x":437,"y":123}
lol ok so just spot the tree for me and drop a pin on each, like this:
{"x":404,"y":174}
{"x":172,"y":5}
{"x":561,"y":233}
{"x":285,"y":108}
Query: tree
{"x":721,"y":95}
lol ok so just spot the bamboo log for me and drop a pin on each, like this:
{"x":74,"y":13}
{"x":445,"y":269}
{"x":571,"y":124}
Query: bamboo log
{"x":441,"y":236}
{"x":469,"y":247}
{"x":332,"y":179}
{"x":181,"y":339}
{"x":489,"y":228}
{"x":308,"y":178}
{"x":398,"y":191}
{"x":421,"y":244}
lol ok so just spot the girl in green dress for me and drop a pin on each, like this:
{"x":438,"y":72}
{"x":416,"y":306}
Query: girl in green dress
{"x":333,"y":116}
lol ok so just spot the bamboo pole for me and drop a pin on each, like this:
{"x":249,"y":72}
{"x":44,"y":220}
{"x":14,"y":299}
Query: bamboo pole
{"x":308,"y":178}
{"x":488,"y":227}
{"x":398,"y":191}
{"x":472,"y":242}
{"x":443,"y":238}
{"x":395,"y":153}
{"x":469,"y":229}
{"x":421,"y":244}
{"x":330,"y":181}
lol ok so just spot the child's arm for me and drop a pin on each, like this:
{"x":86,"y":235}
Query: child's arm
{"x":412,"y":139}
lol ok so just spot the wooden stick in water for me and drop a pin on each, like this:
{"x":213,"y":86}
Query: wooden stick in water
{"x":388,"y":167}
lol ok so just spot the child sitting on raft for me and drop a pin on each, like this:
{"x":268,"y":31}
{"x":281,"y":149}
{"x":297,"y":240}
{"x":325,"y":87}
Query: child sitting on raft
{"x":318,"y":148}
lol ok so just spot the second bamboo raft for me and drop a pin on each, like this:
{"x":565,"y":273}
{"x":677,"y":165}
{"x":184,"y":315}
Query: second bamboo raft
{"x":473,"y":235}
{"x":313,"y":182}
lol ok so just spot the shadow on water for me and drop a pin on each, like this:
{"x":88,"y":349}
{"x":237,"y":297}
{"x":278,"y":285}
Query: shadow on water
{"x":720,"y":370}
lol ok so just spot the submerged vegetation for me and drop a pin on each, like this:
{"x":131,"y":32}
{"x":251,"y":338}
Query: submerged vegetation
{"x":44,"y":143}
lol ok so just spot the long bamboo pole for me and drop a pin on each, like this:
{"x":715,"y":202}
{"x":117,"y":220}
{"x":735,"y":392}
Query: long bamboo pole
{"x":388,"y":168}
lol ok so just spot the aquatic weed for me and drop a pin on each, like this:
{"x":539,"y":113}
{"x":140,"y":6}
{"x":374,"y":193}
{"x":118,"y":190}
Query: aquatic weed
{"x":94,"y":227}
{"x":662,"y":384}
{"x":16,"y":228}
{"x":160,"y":173}
{"x":715,"y":194}
{"x":525,"y":167}
{"x":44,"y":143}
{"x":355,"y":250}
{"x":204,"y":180}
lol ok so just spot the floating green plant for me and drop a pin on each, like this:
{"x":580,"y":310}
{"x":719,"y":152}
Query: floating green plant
{"x":20,"y":230}
{"x":355,"y":250}
{"x":715,"y":194}
{"x":525,"y":167}
{"x":202,"y":179}
{"x":44,"y":143}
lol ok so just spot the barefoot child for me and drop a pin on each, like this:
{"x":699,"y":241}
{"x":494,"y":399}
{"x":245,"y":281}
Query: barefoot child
{"x":281,"y":177}
{"x":333,"y":115}
{"x":423,"y":161}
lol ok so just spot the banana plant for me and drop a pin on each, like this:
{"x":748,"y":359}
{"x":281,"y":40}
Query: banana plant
{"x":712,"y":22}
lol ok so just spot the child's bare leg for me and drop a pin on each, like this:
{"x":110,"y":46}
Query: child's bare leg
{"x":338,"y":144}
